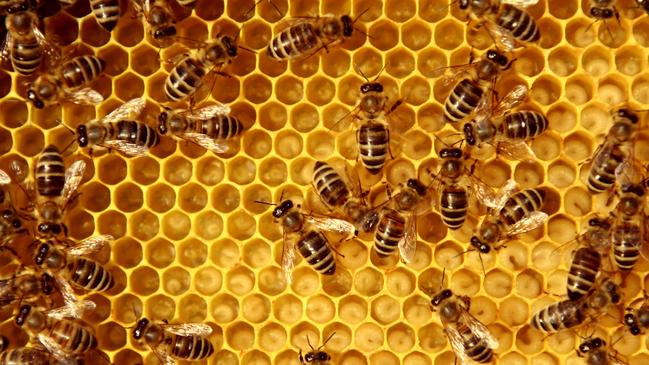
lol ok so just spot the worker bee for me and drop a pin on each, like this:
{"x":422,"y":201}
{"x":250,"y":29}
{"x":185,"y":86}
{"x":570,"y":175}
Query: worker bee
{"x":25,"y":286}
{"x":106,"y":12}
{"x":336,"y":194}
{"x":628,"y":229}
{"x":67,"y":265}
{"x":317,"y":356}
{"x":66,"y":82}
{"x":160,"y":19}
{"x":171,"y":342}
{"x":505,"y":21}
{"x":31,"y":356}
{"x":595,"y":352}
{"x":636,"y":320}
{"x":24,"y":45}
{"x":474,"y":90}
{"x":469,"y":338}
{"x":612,"y":156}
{"x":57,"y":329}
{"x":303,"y":233}
{"x":116,"y":131}
{"x":507,"y":130}
{"x":603,"y":9}
{"x":509,"y":214}
{"x":210,"y":127}
{"x":305,"y":36}
{"x":10,"y":223}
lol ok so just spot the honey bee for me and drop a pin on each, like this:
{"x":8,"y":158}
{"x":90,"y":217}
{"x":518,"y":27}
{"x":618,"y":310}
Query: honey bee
{"x":10,"y":223}
{"x":56,"y":330}
{"x":25,"y":286}
{"x":603,"y":9}
{"x":337,"y":196}
{"x":305,"y":36}
{"x":613,"y":155}
{"x":470,"y":339}
{"x":505,"y":129}
{"x":596,"y":352}
{"x":316,"y":356}
{"x":636,"y":320}
{"x":66,"y":264}
{"x":172,"y":342}
{"x":210,"y":127}
{"x":452,"y":185}
{"x":160,"y":19}
{"x":188,"y":74}
{"x":116,"y":131}
{"x":397,"y":227}
{"x":628,"y":228}
{"x":471,"y":91}
{"x":303,"y":233}
{"x":106,"y":12}
{"x":505,"y":21}
{"x":66,"y":82}
{"x":24,"y":45}
{"x":509,"y":214}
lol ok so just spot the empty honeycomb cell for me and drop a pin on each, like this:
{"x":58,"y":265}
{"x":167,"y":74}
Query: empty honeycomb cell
{"x":241,"y":225}
{"x":320,"y":309}
{"x":209,"y":170}
{"x":192,"y":309}
{"x":129,"y":86}
{"x":466,"y":282}
{"x":13,"y":113}
{"x":416,"y":310}
{"x":529,"y":174}
{"x":595,"y":118}
{"x":255,"y":308}
{"x":400,"y":63}
{"x":415,"y":35}
{"x":208,"y":280}
{"x":127,"y":252}
{"x":240,"y":280}
{"x":176,"y":281}
{"x":368,"y":337}
{"x":144,"y":170}
{"x":561,"y":174}
{"x":176,"y":225}
{"x":528,"y":341}
{"x":546,"y":147}
{"x":400,"y":282}
{"x":192,"y":198}
{"x":94,"y":196}
{"x":29,"y":141}
{"x":398,"y":171}
{"x":449,"y":34}
{"x":289,"y":90}
{"x":529,"y":284}
{"x":562,"y":342}
{"x":272,"y":337}
{"x":514,"y":311}
{"x":225,"y":253}
{"x":111,"y":169}
{"x":160,"y":306}
{"x":160,"y":198}
{"x":385,"y":309}
{"x":257,"y":88}
{"x":177,"y":170}
{"x":74,"y":114}
{"x":612,"y":90}
{"x":128,"y":197}
{"x":240,"y":336}
{"x":432,"y":338}
{"x":306,"y":67}
{"x":160,"y":253}
{"x":111,"y":222}
{"x":580,"y":33}
{"x":255,"y":357}
{"x":579,"y":89}
{"x":335,"y":63}
{"x":613,"y":36}
{"x":273,"y":172}
{"x":304,"y":117}
{"x":320,"y":91}
{"x":129,"y":33}
{"x":305,"y":281}
{"x":530,"y":62}
{"x":513,"y":358}
{"x":111,"y":336}
{"x":254,"y":198}
{"x":144,"y":225}
{"x":117,"y":61}
{"x":124,"y":308}
{"x":562,"y":61}
{"x":596,"y":61}
{"x":241,"y":170}
{"x":244,"y":65}
{"x":368,"y":281}
{"x":271,"y":281}
{"x":498,"y":283}
{"x":577,"y":146}
{"x":638,"y":89}
{"x":145,"y":60}
{"x":226,"y":357}
{"x":496,"y":172}
{"x":288,"y":144}
{"x":192,"y":253}
{"x":629,"y":60}
{"x":563,"y":9}
{"x":556,"y":284}
{"x":353,"y":254}
{"x":224,"y":308}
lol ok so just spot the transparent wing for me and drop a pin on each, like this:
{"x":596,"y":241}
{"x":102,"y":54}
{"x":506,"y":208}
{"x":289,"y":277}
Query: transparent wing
{"x":52,"y":346}
{"x":479,"y":329}
{"x":534,"y":220}
{"x":207,"y":142}
{"x":207,"y":112}
{"x":505,"y":192}
{"x":189,"y":329}
{"x":515,"y":150}
{"x":624,"y":172}
{"x":134,"y":106}
{"x":4,"y":178}
{"x":66,"y":290}
{"x":289,"y":255}
{"x":502,"y":37}
{"x":513,"y":98}
{"x":457,"y":344}
{"x":160,"y":352}
{"x":5,"y":52}
{"x":17,"y":170}
{"x":85,"y":96}
{"x":73,"y":176}
{"x":331,"y":224}
{"x":483,"y":192}
{"x":71,"y":309}
{"x":128,"y":149}
{"x":49,"y":50}
{"x":89,"y":245}
{"x":450,"y":75}
{"x":520,"y":3}
{"x":408,"y":244}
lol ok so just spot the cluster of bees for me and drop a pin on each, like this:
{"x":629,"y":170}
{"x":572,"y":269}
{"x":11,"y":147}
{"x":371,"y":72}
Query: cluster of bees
{"x":57,"y":266}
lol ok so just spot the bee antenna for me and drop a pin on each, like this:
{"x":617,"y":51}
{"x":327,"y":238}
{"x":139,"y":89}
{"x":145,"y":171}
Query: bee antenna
{"x":358,"y":70}
{"x":281,"y":196}
{"x":309,"y":342}
{"x":360,"y":15}
{"x":327,"y":340}
{"x":482,"y":263}
{"x":60,"y":122}
{"x":441,"y":282}
{"x":381,"y":71}
{"x":262,"y":202}
{"x":247,"y":49}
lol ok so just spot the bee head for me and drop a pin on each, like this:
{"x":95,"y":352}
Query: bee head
{"x":469,"y":136}
{"x":48,"y":284}
{"x":138,"y":332}
{"x":417,"y":186}
{"x":4,"y":343}
{"x":18,"y":7}
{"x":45,"y":228}
{"x":628,"y":114}
{"x":439,"y":298}
{"x":450,"y":153}
{"x":348,"y":25}
{"x":601,"y":13}
{"x":164,"y":32}
{"x":23,"y":312}
{"x":36,"y":101}
{"x":371,"y":86}
{"x":163,"y":122}
{"x":464,"y":4}
{"x":598,"y":222}
{"x":41,"y":254}
{"x":230,"y":46}
{"x":498,"y":58}
{"x":318,"y":356}
{"x":282,"y":208}
{"x":479,"y":245}
{"x":82,"y":136}
{"x":590,"y":345}
{"x":636,"y":189}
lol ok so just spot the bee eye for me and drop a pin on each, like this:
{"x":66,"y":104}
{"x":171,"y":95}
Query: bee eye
{"x":43,"y":228}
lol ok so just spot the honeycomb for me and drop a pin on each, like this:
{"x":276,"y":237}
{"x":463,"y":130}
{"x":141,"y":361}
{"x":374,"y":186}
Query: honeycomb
{"x":193,"y":246}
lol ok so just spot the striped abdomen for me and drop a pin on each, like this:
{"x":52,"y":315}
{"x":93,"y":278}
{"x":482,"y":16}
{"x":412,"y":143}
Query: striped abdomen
{"x":521,"y":205}
{"x":524,"y":125}
{"x":72,"y":337}
{"x":583,"y":270}
{"x":519,"y":23}
{"x":475,"y":347}
{"x":132,"y":132}
{"x":26,"y":356}
{"x":627,"y":242}
{"x":557,"y":316}
{"x":462,"y":100}
{"x":26,"y":55}
{"x":602,"y":171}
{"x":373,"y":143}
{"x":389,"y":232}
{"x":81,"y":70}
{"x":220,"y":126}
{"x":106,"y":12}
{"x":89,"y":275}
{"x":192,"y":348}
{"x":293,"y":42}
{"x":454,"y":206}
{"x":50,"y":172}
{"x":184,"y":79}
{"x":329,"y":185}
{"x":314,"y":247}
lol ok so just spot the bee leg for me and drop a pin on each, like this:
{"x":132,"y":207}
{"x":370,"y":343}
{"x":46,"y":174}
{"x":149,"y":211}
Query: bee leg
{"x":301,"y":358}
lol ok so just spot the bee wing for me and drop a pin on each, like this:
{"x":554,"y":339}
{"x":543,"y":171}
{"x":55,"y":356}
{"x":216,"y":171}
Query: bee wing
{"x":502,"y":196}
{"x":128,"y":149}
{"x":624,"y":172}
{"x":5,"y":52}
{"x":457,"y":344}
{"x":479,"y":329}
{"x":484,"y":193}
{"x":189,"y":329}
{"x":331,"y":224}
{"x":17,"y":170}
{"x":48,"y":49}
{"x":501,"y":36}
{"x":515,"y":150}
{"x":134,"y":106}
{"x":73,"y":176}
{"x":534,"y":220}
{"x":4,"y":178}
{"x":208,"y":112}
{"x":66,"y":290}
{"x":205,"y":141}
{"x":85,"y":96}
{"x":451,"y":74}
{"x":520,"y":3}
{"x":89,"y":245}
{"x":408,"y":243}
{"x":288,"y":255}
{"x":160,"y":352}
{"x":71,"y":309}
{"x":52,"y":346}
{"x":513,"y":98}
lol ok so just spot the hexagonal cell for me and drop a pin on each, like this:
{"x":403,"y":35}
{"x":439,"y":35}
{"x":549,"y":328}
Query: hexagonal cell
{"x":240,"y":280}
{"x":389,"y":35}
{"x":257,"y":88}
{"x":224,"y":308}
{"x":368,"y":337}
{"x":175,"y":281}
{"x":241,"y":170}
{"x":144,"y":170}
{"x":562,"y":9}
{"x":561,"y":228}
{"x":111,"y":169}
{"x":129,"y":86}
{"x":562,"y":61}
{"x":5,"y":84}
{"x":385,"y":309}
{"x":130,"y":32}
{"x":192,"y":198}
{"x":529,"y":174}
{"x":579,"y":33}
{"x":320,"y":90}
{"x":612,"y":90}
{"x":400,"y":63}
{"x":514,"y":311}
{"x":29,"y":141}
{"x":224,"y":253}
{"x":577,"y":202}
{"x":177,"y":170}
{"x":336,"y":62}
{"x":127,"y":252}
{"x":272,"y":337}
{"x":613,"y":36}
{"x":144,"y":225}
{"x":155,"y":87}
{"x":94,"y":196}
{"x":125,"y":307}
{"x":144,"y":281}
{"x":62,"y":27}
{"x":13,"y":113}
{"x":192,"y":308}
{"x":145,"y":60}
{"x":128,"y":197}
{"x":111,"y":336}
{"x":546,"y":90}
{"x":529,"y":284}
{"x":449,"y":34}
{"x":210,"y":170}
{"x":561,"y":174}
{"x":111,"y":222}
{"x":208,"y":280}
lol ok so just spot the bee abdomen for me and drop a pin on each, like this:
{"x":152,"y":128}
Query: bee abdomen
{"x":136,"y":133}
{"x":73,"y":337}
{"x":293,"y":42}
{"x":184,"y":79}
{"x":583,"y":270}
{"x":314,"y":247}
{"x":521,"y":204}
{"x":389,"y":232}
{"x":519,"y":23}
{"x":26,"y":57}
{"x":24,"y":356}
{"x":106,"y":12}
{"x":524,"y":125}
{"x":626,"y":245}
{"x":191,"y":348}
{"x":462,"y":100}
{"x":50,"y":172}
{"x":221,"y":127}
{"x":602,"y":172}
{"x":90,"y":275}
{"x":454,"y":206}
{"x":329,"y":185}
{"x":558,"y":316}
{"x":373,"y":143}
{"x":81,"y":70}
{"x":476,"y":348}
